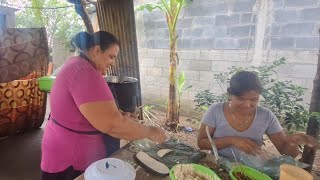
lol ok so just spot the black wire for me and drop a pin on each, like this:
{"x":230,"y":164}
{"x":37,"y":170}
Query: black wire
{"x":49,"y":7}
{"x":59,"y":7}
{"x":30,"y":7}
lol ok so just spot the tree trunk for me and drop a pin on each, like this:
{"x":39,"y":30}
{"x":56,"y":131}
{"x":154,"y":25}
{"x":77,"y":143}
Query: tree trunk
{"x":172,"y":108}
{"x":309,"y":154}
{"x":80,"y":9}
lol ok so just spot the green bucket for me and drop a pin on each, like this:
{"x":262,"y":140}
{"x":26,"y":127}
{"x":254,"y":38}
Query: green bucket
{"x":45,"y":83}
{"x":198,"y":168}
{"x":249,"y":172}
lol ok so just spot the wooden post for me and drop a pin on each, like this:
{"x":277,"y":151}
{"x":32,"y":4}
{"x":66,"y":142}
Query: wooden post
{"x":309,"y":154}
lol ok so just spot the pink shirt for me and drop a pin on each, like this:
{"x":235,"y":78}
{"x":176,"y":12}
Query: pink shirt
{"x":77,"y":83}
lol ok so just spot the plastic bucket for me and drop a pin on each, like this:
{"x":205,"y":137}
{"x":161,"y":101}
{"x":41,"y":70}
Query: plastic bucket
{"x":46,"y":82}
{"x":125,"y":91}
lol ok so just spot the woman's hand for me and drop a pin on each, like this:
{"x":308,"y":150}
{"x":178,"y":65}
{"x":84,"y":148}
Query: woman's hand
{"x":156,"y":134}
{"x":129,"y":114}
{"x":300,"y":139}
{"x":246,"y":145}
{"x":288,"y":144}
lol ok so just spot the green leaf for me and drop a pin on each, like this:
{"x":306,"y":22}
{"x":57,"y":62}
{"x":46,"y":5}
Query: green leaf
{"x":185,"y":2}
{"x":181,"y":81}
{"x":204,"y":108}
{"x":289,"y":126}
{"x":190,"y":86}
{"x":315,"y":114}
{"x":150,"y":7}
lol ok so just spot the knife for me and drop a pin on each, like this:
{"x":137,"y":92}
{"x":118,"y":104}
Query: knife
{"x":213,"y":145}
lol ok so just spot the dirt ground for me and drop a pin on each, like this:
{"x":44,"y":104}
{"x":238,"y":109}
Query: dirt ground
{"x":191,"y":137}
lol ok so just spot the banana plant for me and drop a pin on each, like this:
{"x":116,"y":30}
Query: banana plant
{"x":181,"y":83}
{"x":171,"y":9}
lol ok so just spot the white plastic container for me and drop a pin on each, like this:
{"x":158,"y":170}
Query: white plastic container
{"x":115,"y":170}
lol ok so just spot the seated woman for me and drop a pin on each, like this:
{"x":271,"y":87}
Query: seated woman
{"x":240,"y":123}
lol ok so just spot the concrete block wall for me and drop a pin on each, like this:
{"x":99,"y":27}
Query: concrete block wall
{"x":217,"y":34}
{"x":204,"y":25}
{"x":199,"y":67}
{"x":295,"y":25}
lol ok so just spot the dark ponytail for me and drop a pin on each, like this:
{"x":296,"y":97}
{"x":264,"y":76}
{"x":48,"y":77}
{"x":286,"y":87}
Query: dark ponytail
{"x":84,"y":41}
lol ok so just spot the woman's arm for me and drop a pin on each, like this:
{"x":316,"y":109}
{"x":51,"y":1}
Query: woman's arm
{"x":204,"y":143}
{"x":244,"y":144}
{"x":288,"y":144}
{"x":105,"y":117}
{"x":279,"y":140}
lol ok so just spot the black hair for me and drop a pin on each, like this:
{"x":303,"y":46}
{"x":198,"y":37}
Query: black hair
{"x":84,"y":40}
{"x":244,"y":81}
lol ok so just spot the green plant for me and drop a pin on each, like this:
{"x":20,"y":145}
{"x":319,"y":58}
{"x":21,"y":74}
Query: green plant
{"x":172,"y":9}
{"x":283,"y":98}
{"x":205,"y":98}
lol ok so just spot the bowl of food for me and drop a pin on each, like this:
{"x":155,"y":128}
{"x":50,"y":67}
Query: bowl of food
{"x":247,"y":173}
{"x":191,"y":172}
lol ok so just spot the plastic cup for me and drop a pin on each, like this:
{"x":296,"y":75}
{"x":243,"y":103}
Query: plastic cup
{"x":291,"y":172}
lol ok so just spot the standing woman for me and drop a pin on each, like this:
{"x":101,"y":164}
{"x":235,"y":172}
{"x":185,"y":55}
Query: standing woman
{"x":82,"y":108}
{"x":239,"y":124}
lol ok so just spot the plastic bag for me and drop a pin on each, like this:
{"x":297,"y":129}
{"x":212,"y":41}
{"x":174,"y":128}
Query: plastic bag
{"x":180,"y":154}
{"x":265,"y":164}
{"x":271,"y":166}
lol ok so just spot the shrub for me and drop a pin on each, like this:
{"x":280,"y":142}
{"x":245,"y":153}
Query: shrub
{"x":283,"y":98}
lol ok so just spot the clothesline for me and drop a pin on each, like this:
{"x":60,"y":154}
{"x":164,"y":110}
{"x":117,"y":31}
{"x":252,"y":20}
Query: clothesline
{"x":30,"y":7}
{"x":52,"y":8}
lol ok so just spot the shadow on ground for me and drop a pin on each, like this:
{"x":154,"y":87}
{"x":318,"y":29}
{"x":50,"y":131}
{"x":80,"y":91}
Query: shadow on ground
{"x":20,"y":156}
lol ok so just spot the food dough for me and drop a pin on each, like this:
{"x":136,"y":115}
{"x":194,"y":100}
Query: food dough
{"x":152,"y":163}
{"x":163,"y":152}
